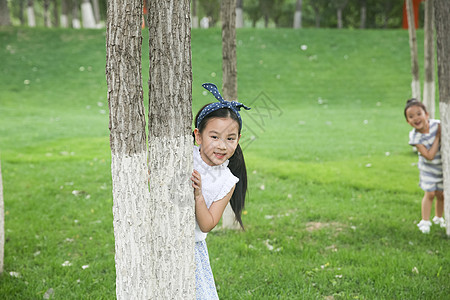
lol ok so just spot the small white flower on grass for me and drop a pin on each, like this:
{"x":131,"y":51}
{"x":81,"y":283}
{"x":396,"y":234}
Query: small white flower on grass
{"x":304,"y":47}
{"x":102,"y":111}
{"x":26,"y":81}
{"x":338,"y":276}
{"x":269,"y":246}
{"x":268,"y":217}
{"x":85,"y":267}
{"x":262,"y":187}
{"x":213,"y":74}
{"x":319,"y":100}
{"x":14,"y":274}
{"x":66,"y":264}
{"x":329,"y":123}
{"x":353,"y":227}
{"x":387,"y":153}
{"x":251,"y":246}
{"x":261,"y":62}
{"x":289,"y":195}
{"x":378,"y":103}
{"x":82,"y":69}
{"x":49,"y":294}
{"x":75,"y":221}
{"x":69,"y":240}
{"x":99,"y":104}
{"x":345,"y":56}
{"x":205,"y":93}
{"x":254,"y":172}
{"x":89,"y":68}
{"x":263,"y":46}
{"x":37,"y":253}
{"x":415,"y":270}
{"x":411,"y":243}
{"x":301,"y":122}
{"x":366,"y":122}
{"x":278,"y":76}
{"x":368,"y":165}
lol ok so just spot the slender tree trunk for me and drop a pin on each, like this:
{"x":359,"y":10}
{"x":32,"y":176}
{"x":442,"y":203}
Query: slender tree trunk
{"x":76,"y":23}
{"x":317,"y":16}
{"x":170,"y":150}
{"x":229,"y":77}
{"x":2,"y":224}
{"x":96,"y":8}
{"x":21,"y":12}
{"x":47,"y":19}
{"x":195,"y":22}
{"x":55,"y":13}
{"x":239,"y":14}
{"x":442,"y":19}
{"x":429,"y":84}
{"x":339,"y":18}
{"x":87,"y":15}
{"x":30,"y":14}
{"x":363,"y":14}
{"x":64,"y":14}
{"x":298,"y":15}
{"x":415,"y":84}
{"x":5,"y":19}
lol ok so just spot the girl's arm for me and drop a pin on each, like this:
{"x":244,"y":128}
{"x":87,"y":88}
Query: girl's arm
{"x":207,"y":219}
{"x":430,"y":153}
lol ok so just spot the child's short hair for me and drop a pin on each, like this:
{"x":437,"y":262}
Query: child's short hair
{"x":414,"y":102}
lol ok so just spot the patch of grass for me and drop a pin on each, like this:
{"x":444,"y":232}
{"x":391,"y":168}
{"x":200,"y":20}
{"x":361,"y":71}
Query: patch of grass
{"x":333,"y":196}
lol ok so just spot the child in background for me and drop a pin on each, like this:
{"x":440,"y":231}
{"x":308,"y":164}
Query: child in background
{"x":425,"y":136}
{"x":219,"y":177}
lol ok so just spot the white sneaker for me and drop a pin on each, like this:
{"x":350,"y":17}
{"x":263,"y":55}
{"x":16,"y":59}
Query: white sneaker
{"x":424,"y":226}
{"x":439,"y":221}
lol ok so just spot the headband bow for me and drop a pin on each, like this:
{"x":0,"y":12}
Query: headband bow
{"x":233,"y":105}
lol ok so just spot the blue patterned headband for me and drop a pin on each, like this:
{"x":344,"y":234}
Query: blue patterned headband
{"x":233,"y":105}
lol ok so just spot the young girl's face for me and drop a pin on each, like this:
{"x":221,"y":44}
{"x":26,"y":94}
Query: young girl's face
{"x":417,"y":118}
{"x":218,"y":140}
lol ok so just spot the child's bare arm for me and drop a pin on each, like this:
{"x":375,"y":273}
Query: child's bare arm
{"x":430,"y":153}
{"x":207,"y":219}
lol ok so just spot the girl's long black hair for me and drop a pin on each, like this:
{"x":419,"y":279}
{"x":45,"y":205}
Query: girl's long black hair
{"x":236,"y":162}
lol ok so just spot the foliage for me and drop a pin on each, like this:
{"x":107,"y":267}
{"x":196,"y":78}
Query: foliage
{"x":333,"y":197}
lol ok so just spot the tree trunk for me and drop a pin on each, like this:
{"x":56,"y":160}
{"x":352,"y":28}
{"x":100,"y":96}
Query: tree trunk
{"x":442,"y":19}
{"x":195,"y":23}
{"x":2,"y":224}
{"x":55,"y":13}
{"x":170,"y":150}
{"x":153,"y":215}
{"x":429,"y":84}
{"x":229,"y":77}
{"x":96,"y":8}
{"x":363,"y":14}
{"x":415,"y":84}
{"x":76,"y":14}
{"x":30,"y":14}
{"x":5,"y":19}
{"x":317,"y":16}
{"x":87,"y":14}
{"x":47,"y":19}
{"x":298,"y":15}
{"x":21,"y":13}
{"x":64,"y":14}
{"x":339,"y":18}
{"x":239,"y":14}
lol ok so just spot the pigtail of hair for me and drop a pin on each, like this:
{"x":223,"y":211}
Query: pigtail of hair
{"x":237,"y":167}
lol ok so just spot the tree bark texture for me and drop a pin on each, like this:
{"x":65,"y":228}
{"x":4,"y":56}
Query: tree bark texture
{"x":64,"y":14}
{"x":170,"y":150}
{"x":363,"y":14}
{"x":47,"y":19}
{"x":5,"y":20}
{"x":229,"y":77}
{"x":442,"y":19}
{"x":2,"y":224}
{"x":415,"y":84}
{"x":76,"y":14}
{"x":229,"y":59}
{"x":128,"y":151}
{"x":429,"y":89}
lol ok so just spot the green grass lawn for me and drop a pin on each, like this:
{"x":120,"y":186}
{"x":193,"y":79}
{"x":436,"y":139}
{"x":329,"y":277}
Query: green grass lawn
{"x":333,"y":195}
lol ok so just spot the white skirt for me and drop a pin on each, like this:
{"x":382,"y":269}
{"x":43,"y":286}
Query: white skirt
{"x":204,"y":279}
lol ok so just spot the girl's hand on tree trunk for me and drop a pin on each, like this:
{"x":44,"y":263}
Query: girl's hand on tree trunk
{"x":197,"y":184}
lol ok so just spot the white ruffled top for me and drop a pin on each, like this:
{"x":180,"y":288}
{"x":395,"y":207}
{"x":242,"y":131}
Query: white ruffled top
{"x":217,"y":181}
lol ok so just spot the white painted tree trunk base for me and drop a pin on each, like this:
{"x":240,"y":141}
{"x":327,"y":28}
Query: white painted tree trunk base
{"x":239,"y":18}
{"x":415,"y":87}
{"x":2,"y":224}
{"x":228,"y":219}
{"x":194,"y":22}
{"x":444,"y":109}
{"x":64,"y":20}
{"x":76,"y":23}
{"x":298,"y":20}
{"x":429,"y":91}
{"x":87,"y":14}
{"x":30,"y":16}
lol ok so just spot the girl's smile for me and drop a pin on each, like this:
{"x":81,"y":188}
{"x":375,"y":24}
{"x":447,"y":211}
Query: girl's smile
{"x":418,"y":118}
{"x":218,"y":140}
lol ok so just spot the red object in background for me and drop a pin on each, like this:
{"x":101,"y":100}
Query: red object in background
{"x":416,"y":6}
